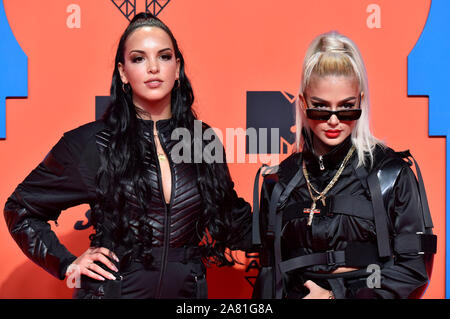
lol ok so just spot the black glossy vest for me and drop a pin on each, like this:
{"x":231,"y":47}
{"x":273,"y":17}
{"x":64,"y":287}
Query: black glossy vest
{"x":173,"y":224}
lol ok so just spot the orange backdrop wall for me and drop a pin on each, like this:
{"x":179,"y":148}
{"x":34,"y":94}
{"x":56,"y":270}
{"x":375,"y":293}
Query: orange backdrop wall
{"x":230,"y":47}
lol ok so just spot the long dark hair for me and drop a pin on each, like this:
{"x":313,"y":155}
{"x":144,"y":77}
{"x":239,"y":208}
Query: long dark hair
{"x":119,"y":216}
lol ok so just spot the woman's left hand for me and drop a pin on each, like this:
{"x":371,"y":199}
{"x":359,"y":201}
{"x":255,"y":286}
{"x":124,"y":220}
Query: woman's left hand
{"x":317,"y":292}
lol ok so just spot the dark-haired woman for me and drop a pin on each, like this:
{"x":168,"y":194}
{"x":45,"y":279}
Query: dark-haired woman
{"x":156,"y":218}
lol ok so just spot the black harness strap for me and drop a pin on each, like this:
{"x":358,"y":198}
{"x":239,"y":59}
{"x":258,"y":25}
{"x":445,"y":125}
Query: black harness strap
{"x":380,"y":216}
{"x":372,"y":181}
{"x":277,"y":200}
{"x":274,"y":199}
{"x":350,"y":205}
{"x":330,"y":258}
{"x":256,"y":235}
{"x":271,"y":235}
{"x":423,"y":195}
{"x":423,"y":198}
{"x":415,"y":243}
{"x":356,"y":254}
{"x":277,"y":255}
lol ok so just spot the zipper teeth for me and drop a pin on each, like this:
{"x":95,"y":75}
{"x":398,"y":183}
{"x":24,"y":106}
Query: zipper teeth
{"x":166,"y":215}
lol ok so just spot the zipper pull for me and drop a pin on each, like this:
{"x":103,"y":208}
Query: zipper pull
{"x":321,"y":163}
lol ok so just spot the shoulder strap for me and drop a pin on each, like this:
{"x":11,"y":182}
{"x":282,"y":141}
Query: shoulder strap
{"x":278,"y":199}
{"x":274,"y":234}
{"x":380,"y":216}
{"x":256,"y":235}
{"x":423,"y":195}
{"x":256,"y":230}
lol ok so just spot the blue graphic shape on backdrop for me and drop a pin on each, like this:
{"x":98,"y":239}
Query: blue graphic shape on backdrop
{"x":13,"y":70}
{"x":428,"y":74}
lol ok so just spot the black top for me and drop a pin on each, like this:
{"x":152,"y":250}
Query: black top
{"x":330,"y":229}
{"x":347,"y":219}
{"x":66,"y":178}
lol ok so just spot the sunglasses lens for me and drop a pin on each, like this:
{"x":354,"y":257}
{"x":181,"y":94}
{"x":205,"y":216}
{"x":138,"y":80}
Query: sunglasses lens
{"x":323,"y":115}
{"x":350,"y":115}
{"x":318,"y":115}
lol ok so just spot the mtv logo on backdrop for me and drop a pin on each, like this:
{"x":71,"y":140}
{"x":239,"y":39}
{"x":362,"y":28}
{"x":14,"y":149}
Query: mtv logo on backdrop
{"x":271,"y":111}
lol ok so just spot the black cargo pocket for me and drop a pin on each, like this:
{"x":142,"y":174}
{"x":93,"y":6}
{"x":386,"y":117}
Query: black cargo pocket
{"x":201,"y":286}
{"x":95,"y":289}
{"x":84,"y":293}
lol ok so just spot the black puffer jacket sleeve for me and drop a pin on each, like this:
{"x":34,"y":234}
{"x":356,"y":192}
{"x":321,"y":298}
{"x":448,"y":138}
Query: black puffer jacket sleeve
{"x":407,"y":275}
{"x":241,"y":215}
{"x":54,"y":185}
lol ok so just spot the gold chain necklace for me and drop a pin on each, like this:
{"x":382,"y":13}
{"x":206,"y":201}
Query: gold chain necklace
{"x":161,"y":155}
{"x":322,"y":195}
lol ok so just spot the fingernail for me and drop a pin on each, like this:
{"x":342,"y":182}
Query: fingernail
{"x":116,"y":259}
{"x":112,"y":277}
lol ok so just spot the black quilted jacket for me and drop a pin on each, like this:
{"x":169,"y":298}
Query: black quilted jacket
{"x":66,"y":177}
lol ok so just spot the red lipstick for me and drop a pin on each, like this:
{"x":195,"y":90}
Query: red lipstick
{"x":332,"y":133}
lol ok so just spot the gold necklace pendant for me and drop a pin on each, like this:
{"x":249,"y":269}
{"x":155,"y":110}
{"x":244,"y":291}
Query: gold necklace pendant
{"x":313,"y":210}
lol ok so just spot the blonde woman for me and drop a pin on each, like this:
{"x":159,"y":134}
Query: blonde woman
{"x":344,"y":216}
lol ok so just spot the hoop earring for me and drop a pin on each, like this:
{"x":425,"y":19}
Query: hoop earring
{"x":126,"y":88}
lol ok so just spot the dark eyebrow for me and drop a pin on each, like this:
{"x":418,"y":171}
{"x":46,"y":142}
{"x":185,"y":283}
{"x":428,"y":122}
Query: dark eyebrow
{"x":166,"y":49}
{"x":349,"y":99}
{"x":318,"y":99}
{"x":143,"y":52}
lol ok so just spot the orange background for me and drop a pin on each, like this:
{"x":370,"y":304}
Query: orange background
{"x":230,"y":47}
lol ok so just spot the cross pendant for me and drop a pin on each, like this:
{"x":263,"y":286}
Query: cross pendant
{"x":311,"y":211}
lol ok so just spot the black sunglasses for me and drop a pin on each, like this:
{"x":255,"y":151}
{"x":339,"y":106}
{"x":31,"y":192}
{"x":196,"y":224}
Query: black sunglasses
{"x":323,"y":115}
{"x":343,"y":115}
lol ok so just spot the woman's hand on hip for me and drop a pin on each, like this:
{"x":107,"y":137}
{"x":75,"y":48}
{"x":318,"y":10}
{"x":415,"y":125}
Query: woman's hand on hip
{"x":85,"y":264}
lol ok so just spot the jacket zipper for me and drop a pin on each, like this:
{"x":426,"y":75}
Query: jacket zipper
{"x":166,"y":213}
{"x":322,"y":167}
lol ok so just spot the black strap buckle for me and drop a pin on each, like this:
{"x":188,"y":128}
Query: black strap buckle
{"x":421,"y":252}
{"x":331,"y":258}
{"x":427,"y":243}
{"x":270,"y":234}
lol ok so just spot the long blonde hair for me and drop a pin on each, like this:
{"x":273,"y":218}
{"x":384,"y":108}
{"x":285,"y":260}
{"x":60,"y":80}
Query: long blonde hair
{"x":335,"y":54}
